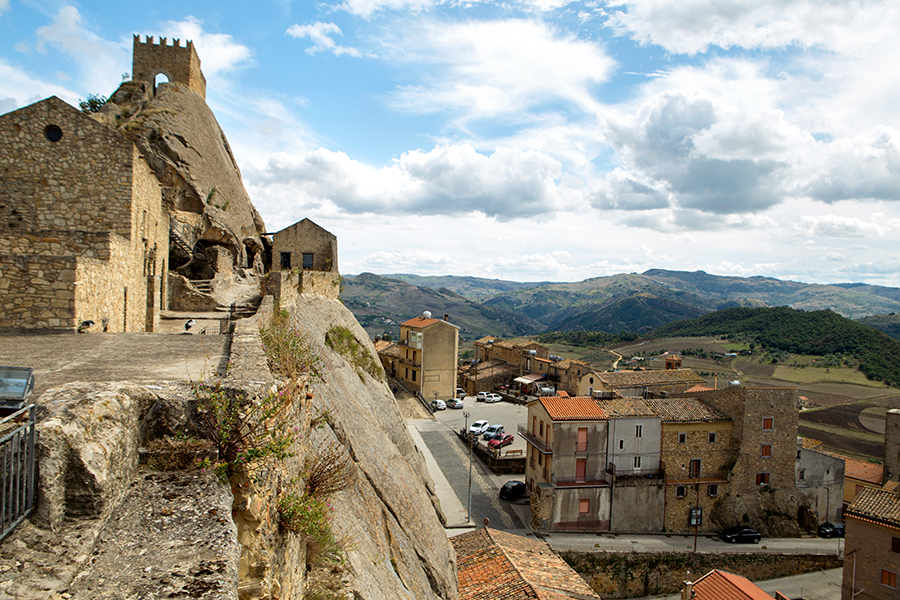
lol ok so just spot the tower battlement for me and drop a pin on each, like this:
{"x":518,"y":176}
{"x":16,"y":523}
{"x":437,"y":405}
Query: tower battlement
{"x":179,"y":63}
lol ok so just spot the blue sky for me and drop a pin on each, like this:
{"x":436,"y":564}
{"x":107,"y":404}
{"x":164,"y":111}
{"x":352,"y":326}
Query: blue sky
{"x":533,"y":139}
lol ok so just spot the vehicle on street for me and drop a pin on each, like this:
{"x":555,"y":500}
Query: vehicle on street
{"x":831,"y":530}
{"x":512,"y":490}
{"x":437,"y":404}
{"x":460,"y":393}
{"x":455,"y":403}
{"x":744,"y":535}
{"x":502,"y":440}
{"x":481,"y":396}
{"x":478,"y":427}
{"x":493,"y":431}
{"x":491,"y":398}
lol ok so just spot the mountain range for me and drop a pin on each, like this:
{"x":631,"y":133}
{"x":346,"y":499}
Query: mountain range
{"x":624,"y":302}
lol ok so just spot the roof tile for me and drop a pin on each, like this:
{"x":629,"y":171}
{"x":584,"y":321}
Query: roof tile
{"x":572,"y":408}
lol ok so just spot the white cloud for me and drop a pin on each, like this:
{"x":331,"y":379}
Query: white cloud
{"x":692,"y":26}
{"x":497,"y":69}
{"x":18,"y":89}
{"x":368,"y":8}
{"x":448,"y":180}
{"x":320,"y":34}
{"x":219,"y":52}
{"x":4,"y":4}
{"x":836,"y":226}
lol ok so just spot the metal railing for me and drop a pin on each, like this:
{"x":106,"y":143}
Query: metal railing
{"x":16,"y":468}
{"x":534,"y":440}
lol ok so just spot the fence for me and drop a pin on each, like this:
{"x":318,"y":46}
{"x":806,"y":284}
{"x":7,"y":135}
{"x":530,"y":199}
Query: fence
{"x":16,"y":468}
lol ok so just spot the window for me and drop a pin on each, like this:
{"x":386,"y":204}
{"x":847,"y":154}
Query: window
{"x":682,"y":438}
{"x":414,"y":375}
{"x":713,"y":489}
{"x":580,"y":468}
{"x":540,"y":459}
{"x":584,"y":506}
{"x":801,"y":475}
{"x":711,"y":437}
{"x":307,"y":260}
{"x":766,"y":450}
{"x":638,"y":430}
{"x":621,"y":444}
{"x":533,"y":424}
{"x":680,"y":491}
{"x":542,"y":428}
{"x":53,"y":133}
{"x":285,"y":260}
{"x":888,"y":578}
{"x":762,"y":479}
{"x":415,"y":339}
{"x":895,"y":544}
{"x":581,"y":444}
{"x":768,"y":423}
{"x":637,"y":462}
{"x":695,"y":468}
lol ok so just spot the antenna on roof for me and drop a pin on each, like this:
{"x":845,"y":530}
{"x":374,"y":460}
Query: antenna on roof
{"x":426,"y":314}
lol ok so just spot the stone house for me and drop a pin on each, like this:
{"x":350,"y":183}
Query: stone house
{"x":859,"y":475}
{"x":872,"y":545}
{"x":695,"y":453}
{"x":84,"y":234}
{"x":429,"y":350}
{"x":389,"y":353}
{"x":304,"y":245}
{"x":566,"y":463}
{"x":820,"y":477}
{"x":649,"y":383}
{"x":531,"y":365}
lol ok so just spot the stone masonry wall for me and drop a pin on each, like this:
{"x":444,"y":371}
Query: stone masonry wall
{"x":301,"y":237}
{"x":287,"y":286}
{"x":38,"y":292}
{"x":180,"y":64}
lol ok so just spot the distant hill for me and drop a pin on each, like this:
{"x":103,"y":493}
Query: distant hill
{"x":615,"y":303}
{"x":380,"y":304}
{"x":889,"y":324}
{"x":820,"y":332}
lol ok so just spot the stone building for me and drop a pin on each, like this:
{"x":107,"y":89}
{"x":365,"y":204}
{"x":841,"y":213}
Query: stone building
{"x":872,"y":545}
{"x":429,"y":349}
{"x":84,"y":234}
{"x":649,"y":383}
{"x":180,"y":65}
{"x":820,"y":477}
{"x":304,"y":245}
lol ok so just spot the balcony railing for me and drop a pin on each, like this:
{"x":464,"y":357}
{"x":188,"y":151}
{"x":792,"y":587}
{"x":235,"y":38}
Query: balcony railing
{"x":592,"y":481}
{"x":616,"y":472}
{"x":534,"y":440}
{"x":410,"y":362}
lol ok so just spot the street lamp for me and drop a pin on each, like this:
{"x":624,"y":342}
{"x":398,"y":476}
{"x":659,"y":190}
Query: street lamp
{"x":696,"y":516}
{"x":466,"y":414}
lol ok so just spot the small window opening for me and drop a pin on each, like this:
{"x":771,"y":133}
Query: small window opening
{"x":53,"y":133}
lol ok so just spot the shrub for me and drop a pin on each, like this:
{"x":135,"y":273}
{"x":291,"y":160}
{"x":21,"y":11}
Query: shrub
{"x":288,"y":351}
{"x":341,"y":340}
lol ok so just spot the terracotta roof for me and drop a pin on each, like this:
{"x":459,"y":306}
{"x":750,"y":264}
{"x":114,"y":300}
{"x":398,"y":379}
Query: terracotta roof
{"x":861,"y":469}
{"x":651,"y":377}
{"x":877,"y":504}
{"x":486,"y":339}
{"x":719,"y":585}
{"x":419,"y":322}
{"x":495,"y":564}
{"x":699,"y":388}
{"x":382,"y":345}
{"x":626,"y":407}
{"x":809,"y":443}
{"x":685,"y":410}
{"x":572,"y":408}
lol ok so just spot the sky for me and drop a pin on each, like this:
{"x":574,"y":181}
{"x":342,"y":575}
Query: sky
{"x":532,"y":140}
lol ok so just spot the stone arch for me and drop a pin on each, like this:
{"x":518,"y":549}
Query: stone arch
{"x":155,"y":79}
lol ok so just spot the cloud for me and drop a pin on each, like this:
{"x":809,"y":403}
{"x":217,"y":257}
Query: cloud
{"x":320,"y":34}
{"x":497,"y":69}
{"x":836,"y":226}
{"x":4,"y":4}
{"x":692,"y":26}
{"x":448,"y":180}
{"x":368,"y":8}
{"x":18,"y":89}
{"x":219,"y":52}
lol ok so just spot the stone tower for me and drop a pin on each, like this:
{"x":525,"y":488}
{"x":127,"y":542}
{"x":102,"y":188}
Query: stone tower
{"x":892,"y":445}
{"x":179,"y":64}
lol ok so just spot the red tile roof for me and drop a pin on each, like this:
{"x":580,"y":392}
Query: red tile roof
{"x":624,"y":379}
{"x":572,"y":408}
{"x":382,"y":345}
{"x":495,"y":564}
{"x":861,"y":469}
{"x":685,"y":410}
{"x":874,"y":504}
{"x":419,"y":322}
{"x":719,"y":585}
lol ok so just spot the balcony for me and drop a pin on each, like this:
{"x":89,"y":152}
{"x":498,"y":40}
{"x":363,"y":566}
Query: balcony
{"x":534,"y":440}
{"x":649,"y":473}
{"x":594,"y":481}
{"x":410,"y":362}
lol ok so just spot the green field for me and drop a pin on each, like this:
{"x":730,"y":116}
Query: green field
{"x":799,"y":375}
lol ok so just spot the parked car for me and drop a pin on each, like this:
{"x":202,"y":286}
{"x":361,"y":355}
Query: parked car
{"x":493,"y":431}
{"x":745,"y":535}
{"x":454,"y":403}
{"x":831,"y":530}
{"x":491,"y":398}
{"x":512,"y":490}
{"x":438,"y":405}
{"x":481,"y":396}
{"x":478,"y":427}
{"x":502,"y":440}
{"x":460,"y":393}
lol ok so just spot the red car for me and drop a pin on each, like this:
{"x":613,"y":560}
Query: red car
{"x":504,"y":440}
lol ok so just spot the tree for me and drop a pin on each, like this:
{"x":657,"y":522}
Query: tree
{"x":93,"y":103}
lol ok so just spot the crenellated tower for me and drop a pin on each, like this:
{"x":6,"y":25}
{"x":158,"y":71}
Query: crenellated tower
{"x":179,"y":64}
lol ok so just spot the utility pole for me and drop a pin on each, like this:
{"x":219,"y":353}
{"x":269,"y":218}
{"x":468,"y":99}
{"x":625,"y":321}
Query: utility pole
{"x":469,"y":440}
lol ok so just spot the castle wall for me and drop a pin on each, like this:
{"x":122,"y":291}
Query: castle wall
{"x":180,"y":64}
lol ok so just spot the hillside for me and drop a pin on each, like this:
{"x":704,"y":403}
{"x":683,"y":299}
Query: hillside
{"x":821,"y":332}
{"x":381,"y":304}
{"x":889,"y":324}
{"x":473,"y":288}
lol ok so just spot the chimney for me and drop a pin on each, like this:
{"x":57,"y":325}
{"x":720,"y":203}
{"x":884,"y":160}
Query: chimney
{"x":687,"y":592}
{"x":446,"y":317}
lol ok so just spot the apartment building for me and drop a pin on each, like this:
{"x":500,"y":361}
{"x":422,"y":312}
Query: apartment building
{"x":429,"y":349}
{"x":872,"y":545}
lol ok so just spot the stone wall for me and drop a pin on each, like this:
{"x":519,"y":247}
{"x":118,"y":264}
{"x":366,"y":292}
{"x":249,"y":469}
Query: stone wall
{"x":38,"y":292}
{"x":179,"y":64}
{"x":287,"y":286}
{"x":305,"y":237}
{"x":632,"y":575}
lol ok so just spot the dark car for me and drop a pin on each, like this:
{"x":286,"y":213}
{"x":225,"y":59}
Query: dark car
{"x":831,"y":530}
{"x":455,"y":403}
{"x":504,"y":440}
{"x":512,"y":490}
{"x":744,"y":535}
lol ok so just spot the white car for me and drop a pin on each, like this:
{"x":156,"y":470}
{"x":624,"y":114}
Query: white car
{"x":491,"y":398}
{"x":478,"y":427}
{"x":481,"y":396}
